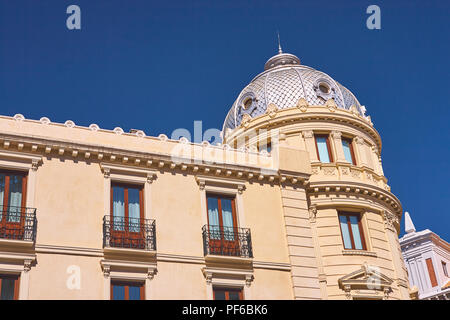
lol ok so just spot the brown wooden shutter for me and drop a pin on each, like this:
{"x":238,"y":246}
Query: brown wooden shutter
{"x":431,"y":272}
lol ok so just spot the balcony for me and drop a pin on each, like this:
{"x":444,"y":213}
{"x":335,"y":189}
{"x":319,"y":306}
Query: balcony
{"x":18,"y":224}
{"x":130,"y":233}
{"x":227,"y":241}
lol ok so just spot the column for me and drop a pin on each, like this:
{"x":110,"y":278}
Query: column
{"x":337,"y":146}
{"x":310,"y":145}
{"x":360,"y":151}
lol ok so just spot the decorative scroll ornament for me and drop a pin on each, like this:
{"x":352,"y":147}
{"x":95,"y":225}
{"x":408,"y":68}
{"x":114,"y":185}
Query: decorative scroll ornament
{"x":336,"y":134}
{"x":354,"y":110}
{"x":106,"y":271}
{"x":27,"y":265}
{"x":312,"y":213}
{"x":248,"y":280}
{"x":302,"y":104}
{"x":308,"y":134}
{"x":331,"y":105}
{"x":272,"y":110}
{"x":390,"y":220}
{"x":246,"y":118}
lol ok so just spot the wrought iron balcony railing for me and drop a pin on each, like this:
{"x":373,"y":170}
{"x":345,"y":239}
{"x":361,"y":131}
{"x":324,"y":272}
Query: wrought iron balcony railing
{"x":132,"y":233}
{"x":227,"y":241}
{"x":18,"y":223}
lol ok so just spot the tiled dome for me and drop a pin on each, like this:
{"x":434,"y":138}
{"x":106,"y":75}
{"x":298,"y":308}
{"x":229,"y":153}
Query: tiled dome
{"x":283,"y":82}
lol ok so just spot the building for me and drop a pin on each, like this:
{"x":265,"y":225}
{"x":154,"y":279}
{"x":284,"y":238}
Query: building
{"x":292,"y":205}
{"x":427,"y":257}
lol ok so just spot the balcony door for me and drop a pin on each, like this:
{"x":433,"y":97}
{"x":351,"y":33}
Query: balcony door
{"x":127,"y":216}
{"x":9,"y":287}
{"x":222,"y":224}
{"x":13,"y":187}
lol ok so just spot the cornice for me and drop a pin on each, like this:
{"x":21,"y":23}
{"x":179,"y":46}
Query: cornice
{"x":44,"y":146}
{"x":281,"y":117}
{"x":357,"y":189}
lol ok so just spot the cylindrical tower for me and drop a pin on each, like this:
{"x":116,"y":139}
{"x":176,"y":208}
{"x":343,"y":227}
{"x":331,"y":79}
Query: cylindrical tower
{"x":353,"y":216}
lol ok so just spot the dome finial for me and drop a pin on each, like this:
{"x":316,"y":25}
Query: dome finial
{"x":279,"y":44}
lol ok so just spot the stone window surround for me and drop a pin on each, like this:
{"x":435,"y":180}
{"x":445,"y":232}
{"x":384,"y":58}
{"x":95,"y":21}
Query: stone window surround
{"x":230,"y":187}
{"x":218,"y":277}
{"x":21,"y":262}
{"x":225,"y":277}
{"x":144,"y":273}
{"x":10,"y":160}
{"x":111,"y":269}
{"x":337,"y":150}
{"x":127,"y":174}
{"x":366,"y":231}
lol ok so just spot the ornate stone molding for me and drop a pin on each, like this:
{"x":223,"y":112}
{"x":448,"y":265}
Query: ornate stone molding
{"x":390,"y":220}
{"x":246,"y":118}
{"x":359,"y":140}
{"x":308,"y":134}
{"x":27,"y":263}
{"x":272,"y":110}
{"x":249,"y":279}
{"x":151,"y":273}
{"x":302,"y":104}
{"x":106,"y":271}
{"x":312,"y":213}
{"x":336,"y":134}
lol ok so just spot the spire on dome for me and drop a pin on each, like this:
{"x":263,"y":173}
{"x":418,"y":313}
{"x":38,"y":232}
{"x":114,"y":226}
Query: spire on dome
{"x":409,"y":225}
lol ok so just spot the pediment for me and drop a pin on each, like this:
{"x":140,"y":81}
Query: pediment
{"x":368,"y":277}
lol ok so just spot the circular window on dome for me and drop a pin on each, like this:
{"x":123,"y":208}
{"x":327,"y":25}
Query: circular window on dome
{"x":324,"y":88}
{"x":247,"y":103}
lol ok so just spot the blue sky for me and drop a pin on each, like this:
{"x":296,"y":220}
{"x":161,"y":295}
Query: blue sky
{"x":161,"y":65}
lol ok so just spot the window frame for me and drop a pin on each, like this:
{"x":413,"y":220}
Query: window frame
{"x":219,"y":207}
{"x":13,"y":225}
{"x":126,"y":233}
{"x":330,"y":154}
{"x":16,"y":284}
{"x":444,"y":268}
{"x":127,"y":284}
{"x":431,"y":272}
{"x":24,"y":175}
{"x":352,"y":150}
{"x":126,"y":186}
{"x":347,"y":214}
{"x":264,"y":146}
{"x":227,"y":290}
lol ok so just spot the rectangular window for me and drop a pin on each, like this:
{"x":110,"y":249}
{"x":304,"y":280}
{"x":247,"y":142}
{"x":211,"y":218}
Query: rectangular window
{"x":265,"y":145}
{"x":9,"y":287}
{"x":431,"y":272}
{"x":127,"y":291}
{"x":222,"y":225}
{"x":13,"y":187}
{"x":351,"y":231}
{"x":127,"y":216}
{"x":347,"y":145}
{"x":323,"y":148}
{"x":227,"y":294}
{"x":444,"y":268}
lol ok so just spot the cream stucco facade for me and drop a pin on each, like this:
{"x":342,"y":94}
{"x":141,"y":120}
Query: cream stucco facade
{"x":287,"y":199}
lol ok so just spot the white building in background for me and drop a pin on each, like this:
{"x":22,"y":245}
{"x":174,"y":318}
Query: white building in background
{"x":427,"y":258}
